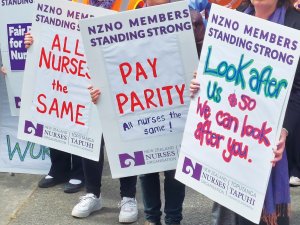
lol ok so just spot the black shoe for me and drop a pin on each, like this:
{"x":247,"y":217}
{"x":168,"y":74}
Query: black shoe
{"x":73,"y":188}
{"x":50,"y":182}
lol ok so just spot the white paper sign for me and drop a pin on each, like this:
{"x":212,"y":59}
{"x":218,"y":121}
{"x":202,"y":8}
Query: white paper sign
{"x":18,"y":156}
{"x":15,"y":21}
{"x":56,"y":107}
{"x":246,"y":73}
{"x":143,"y":61}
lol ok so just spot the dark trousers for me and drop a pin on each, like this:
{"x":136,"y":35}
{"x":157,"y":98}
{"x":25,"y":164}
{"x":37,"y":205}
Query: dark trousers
{"x":222,"y":215}
{"x":292,"y":124}
{"x":65,"y":166}
{"x":174,"y":197}
{"x":280,"y":221}
{"x":93,"y":176}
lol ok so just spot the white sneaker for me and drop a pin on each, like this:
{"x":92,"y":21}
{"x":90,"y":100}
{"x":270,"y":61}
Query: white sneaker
{"x":129,"y":211}
{"x":88,"y":203}
{"x":294,"y":181}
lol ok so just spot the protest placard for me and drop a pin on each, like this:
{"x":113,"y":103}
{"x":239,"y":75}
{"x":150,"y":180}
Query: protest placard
{"x":56,"y":105}
{"x":18,"y":156}
{"x":246,"y":71}
{"x":15,"y":21}
{"x":143,"y":61}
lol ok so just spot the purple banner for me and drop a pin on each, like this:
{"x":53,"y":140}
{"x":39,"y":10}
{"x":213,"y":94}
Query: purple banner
{"x":17,"y":50}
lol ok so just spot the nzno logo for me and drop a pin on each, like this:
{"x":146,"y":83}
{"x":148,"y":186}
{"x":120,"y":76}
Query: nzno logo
{"x":190,"y":168}
{"x":127,"y":160}
{"x":18,"y":102}
{"x":37,"y":130}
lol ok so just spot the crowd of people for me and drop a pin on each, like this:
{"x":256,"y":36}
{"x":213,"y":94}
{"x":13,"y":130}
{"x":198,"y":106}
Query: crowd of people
{"x":77,"y":172}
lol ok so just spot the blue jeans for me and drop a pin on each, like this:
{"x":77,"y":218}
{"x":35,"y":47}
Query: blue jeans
{"x":174,"y":196}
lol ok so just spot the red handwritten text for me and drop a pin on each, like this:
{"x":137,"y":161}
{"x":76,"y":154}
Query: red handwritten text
{"x":247,"y":103}
{"x":235,"y":148}
{"x":150,"y":98}
{"x":203,"y":110}
{"x":139,"y":70}
{"x":64,"y":63}
{"x":61,"y":109}
{"x":256,"y":133}
{"x":225,"y":120}
{"x":203,"y":132}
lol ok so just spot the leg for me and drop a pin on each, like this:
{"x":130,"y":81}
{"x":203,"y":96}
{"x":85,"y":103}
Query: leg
{"x":174,"y":197}
{"x":244,"y":221}
{"x":77,"y":168}
{"x":291,"y":122}
{"x":295,"y":154}
{"x":93,"y":172}
{"x":128,"y":186}
{"x":129,"y":211}
{"x":76,"y":181}
{"x":223,"y":216}
{"x":151,"y":196}
{"x":60,"y":164}
{"x":283,"y":220}
{"x":59,"y":171}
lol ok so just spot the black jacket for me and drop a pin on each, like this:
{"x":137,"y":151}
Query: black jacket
{"x":292,"y":116}
{"x":292,"y":19}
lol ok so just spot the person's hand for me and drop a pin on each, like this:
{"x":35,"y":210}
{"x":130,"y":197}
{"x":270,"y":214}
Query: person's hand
{"x":28,"y":40}
{"x":297,"y":5}
{"x":3,"y":70}
{"x":194,"y":86}
{"x":95,"y":94}
{"x":278,"y":150}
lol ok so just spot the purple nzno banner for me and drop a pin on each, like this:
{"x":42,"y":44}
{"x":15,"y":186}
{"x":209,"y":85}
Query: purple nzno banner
{"x":16,"y":47}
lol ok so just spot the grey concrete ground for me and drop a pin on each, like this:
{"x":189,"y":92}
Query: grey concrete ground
{"x":22,"y":203}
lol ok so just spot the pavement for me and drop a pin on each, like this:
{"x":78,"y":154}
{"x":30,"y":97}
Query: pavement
{"x":23,"y":203}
